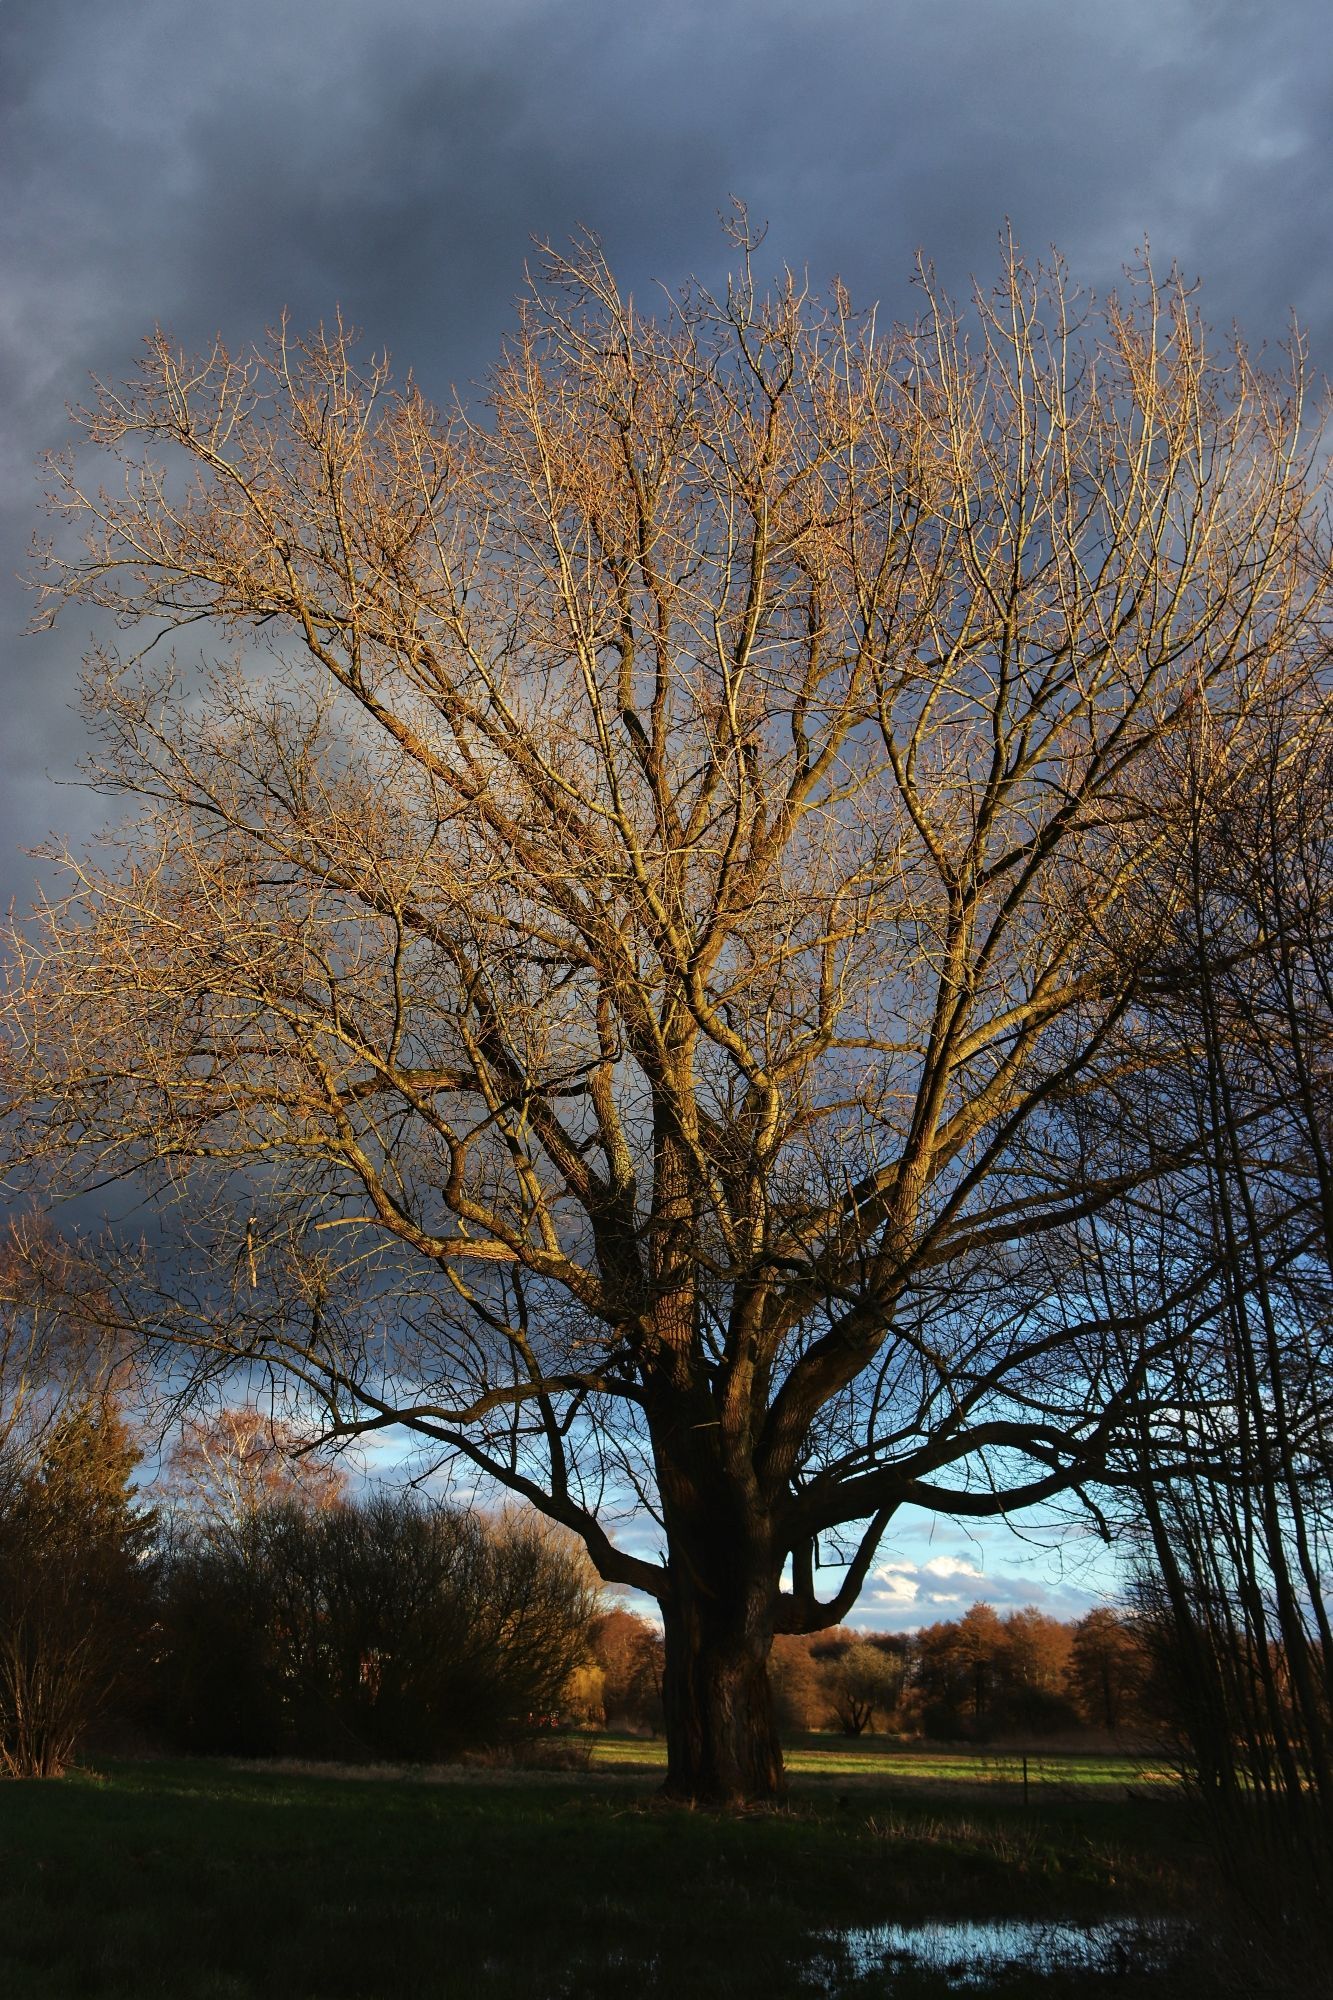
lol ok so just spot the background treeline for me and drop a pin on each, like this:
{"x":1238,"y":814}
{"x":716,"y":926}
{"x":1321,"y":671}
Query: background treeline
{"x":257,"y":1609}
{"x":1114,"y":1675}
{"x":978,"y":1678}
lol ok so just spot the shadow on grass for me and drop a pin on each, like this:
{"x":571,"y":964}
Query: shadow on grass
{"x":207,"y":1882}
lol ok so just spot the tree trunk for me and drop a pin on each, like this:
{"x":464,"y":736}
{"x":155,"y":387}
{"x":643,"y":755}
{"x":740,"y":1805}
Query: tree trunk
{"x":722,"y":1740}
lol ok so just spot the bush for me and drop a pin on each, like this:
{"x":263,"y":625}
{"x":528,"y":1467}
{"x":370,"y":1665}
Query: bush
{"x":390,"y":1629}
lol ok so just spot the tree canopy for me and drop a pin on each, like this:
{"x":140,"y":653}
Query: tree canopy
{"x":611,"y":966}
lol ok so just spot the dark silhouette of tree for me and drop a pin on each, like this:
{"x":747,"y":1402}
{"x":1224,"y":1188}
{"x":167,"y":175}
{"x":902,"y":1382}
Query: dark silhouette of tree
{"x":1232,"y":1474}
{"x":75,"y":1589}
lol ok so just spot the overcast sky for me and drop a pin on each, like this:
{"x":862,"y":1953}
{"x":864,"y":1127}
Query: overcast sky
{"x":203,"y":167}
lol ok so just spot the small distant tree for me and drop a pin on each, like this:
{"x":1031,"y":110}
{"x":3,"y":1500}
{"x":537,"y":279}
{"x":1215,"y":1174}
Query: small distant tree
{"x":799,"y":1682}
{"x":864,"y":1683}
{"x":75,"y":1589}
{"x":583,"y":1697}
{"x":226,"y":1464}
{"x":1107,"y":1665}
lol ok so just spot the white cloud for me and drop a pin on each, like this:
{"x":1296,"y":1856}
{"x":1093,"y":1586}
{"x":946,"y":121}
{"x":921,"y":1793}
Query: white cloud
{"x":943,"y":1566}
{"x":895,"y":1583}
{"x":917,"y":1583}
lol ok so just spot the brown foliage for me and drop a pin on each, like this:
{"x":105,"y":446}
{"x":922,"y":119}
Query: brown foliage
{"x":799,"y":1681}
{"x":957,"y":1666}
{"x":224,"y":1466}
{"x":983,"y":1675}
{"x":1108,"y":1664}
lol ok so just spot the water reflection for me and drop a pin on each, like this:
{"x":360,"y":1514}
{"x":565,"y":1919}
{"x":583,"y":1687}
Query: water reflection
{"x":976,"y":1954}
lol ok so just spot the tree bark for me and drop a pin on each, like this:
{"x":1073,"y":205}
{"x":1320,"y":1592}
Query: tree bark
{"x":722,"y":1740}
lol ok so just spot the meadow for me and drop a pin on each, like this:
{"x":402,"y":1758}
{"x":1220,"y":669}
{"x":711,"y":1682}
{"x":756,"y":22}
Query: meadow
{"x":887,"y":1759}
{"x":208,"y":1881}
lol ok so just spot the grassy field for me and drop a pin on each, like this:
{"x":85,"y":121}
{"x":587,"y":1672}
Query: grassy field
{"x":202,"y":1881}
{"x":883,"y":1759}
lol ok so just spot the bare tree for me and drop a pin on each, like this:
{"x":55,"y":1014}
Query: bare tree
{"x":606,"y":967}
{"x":226,"y":1464}
{"x":1234,"y":1477}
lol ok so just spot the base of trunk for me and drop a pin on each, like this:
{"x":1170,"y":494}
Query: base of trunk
{"x":722,"y":1740}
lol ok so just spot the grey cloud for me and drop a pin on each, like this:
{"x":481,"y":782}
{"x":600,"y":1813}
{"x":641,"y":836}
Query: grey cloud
{"x":205,"y":168}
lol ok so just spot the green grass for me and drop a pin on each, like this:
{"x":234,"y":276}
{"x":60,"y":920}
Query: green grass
{"x":199,"y":1881}
{"x":890,"y":1761}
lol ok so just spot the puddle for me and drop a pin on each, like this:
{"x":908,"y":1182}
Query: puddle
{"x":974,"y":1955}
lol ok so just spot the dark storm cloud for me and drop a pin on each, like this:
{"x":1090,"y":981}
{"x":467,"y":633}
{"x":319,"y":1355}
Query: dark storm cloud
{"x":204,"y":168}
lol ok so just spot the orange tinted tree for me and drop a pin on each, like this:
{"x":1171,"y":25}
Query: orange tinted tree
{"x":629,"y":1654}
{"x":1034,"y":1668}
{"x":1108,"y":1669}
{"x":227,"y":1464}
{"x":960,"y":1672}
{"x":637,"y":910}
